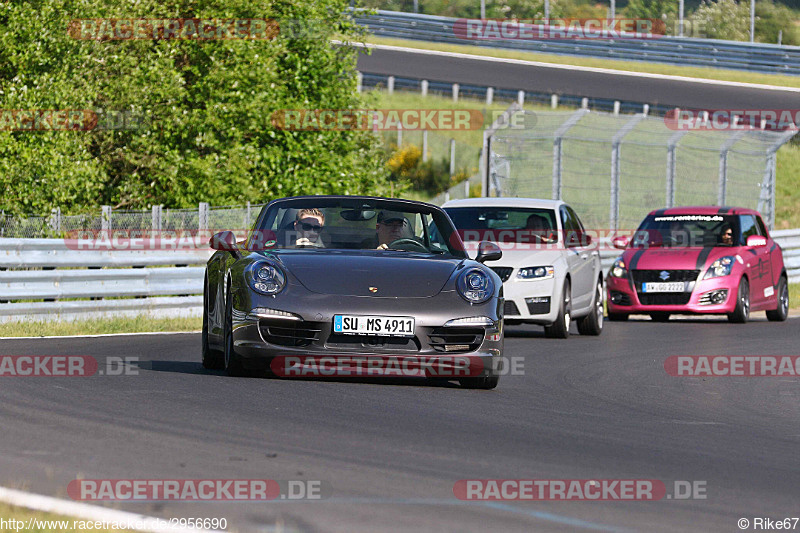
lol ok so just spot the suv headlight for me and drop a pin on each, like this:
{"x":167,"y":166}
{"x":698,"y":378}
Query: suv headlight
{"x":539,"y":272}
{"x":618,"y":269}
{"x":720,"y":267}
{"x":475,"y":286}
{"x":265,"y":278}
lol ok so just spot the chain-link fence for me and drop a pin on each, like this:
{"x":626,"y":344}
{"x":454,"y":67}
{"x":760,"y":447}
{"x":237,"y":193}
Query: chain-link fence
{"x":204,"y":217}
{"x":614,"y":169}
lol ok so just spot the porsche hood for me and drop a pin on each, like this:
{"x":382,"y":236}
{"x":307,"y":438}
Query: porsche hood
{"x":378,"y":275}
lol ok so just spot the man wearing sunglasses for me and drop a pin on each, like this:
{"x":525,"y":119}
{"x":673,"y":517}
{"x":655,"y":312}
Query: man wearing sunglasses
{"x":308,"y":225}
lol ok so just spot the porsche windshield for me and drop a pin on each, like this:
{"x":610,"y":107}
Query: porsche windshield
{"x":688,"y":230}
{"x":327,"y":223}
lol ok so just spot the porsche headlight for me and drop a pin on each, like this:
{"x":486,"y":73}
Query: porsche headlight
{"x":720,"y":267}
{"x":475,"y":286}
{"x":265,"y":278}
{"x":540,"y":272}
{"x":618,"y":270}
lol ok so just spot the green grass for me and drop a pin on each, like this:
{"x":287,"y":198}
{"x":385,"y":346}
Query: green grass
{"x":631,"y":66}
{"x":794,"y":295}
{"x":99,"y":326}
{"x":9,"y":512}
{"x":787,"y":189}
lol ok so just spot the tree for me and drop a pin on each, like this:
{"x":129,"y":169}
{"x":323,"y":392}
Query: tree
{"x":207,"y":104}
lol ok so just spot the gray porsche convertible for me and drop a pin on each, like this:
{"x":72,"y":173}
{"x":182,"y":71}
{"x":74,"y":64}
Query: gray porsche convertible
{"x":363,"y":285}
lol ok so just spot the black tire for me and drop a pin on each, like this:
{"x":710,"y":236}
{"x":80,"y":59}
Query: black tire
{"x":592,"y":324}
{"x":485,"y":383}
{"x":233,"y":363}
{"x":560,"y":328}
{"x":659,"y":317}
{"x":742,"y":311}
{"x":617,"y":317}
{"x":212,"y":359}
{"x":781,"y":312}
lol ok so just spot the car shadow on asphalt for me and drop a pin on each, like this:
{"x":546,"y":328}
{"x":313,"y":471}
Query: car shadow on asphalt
{"x":190,"y":367}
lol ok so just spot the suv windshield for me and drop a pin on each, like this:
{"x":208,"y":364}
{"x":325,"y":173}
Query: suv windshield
{"x":504,"y":224}
{"x":332,"y":223}
{"x":687,"y":230}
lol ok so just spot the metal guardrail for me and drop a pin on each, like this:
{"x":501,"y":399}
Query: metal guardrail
{"x":157,"y":292}
{"x":80,"y":284}
{"x":755,"y":57}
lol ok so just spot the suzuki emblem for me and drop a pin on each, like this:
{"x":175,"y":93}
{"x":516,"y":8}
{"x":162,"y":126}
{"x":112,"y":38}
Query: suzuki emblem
{"x":664,"y":275}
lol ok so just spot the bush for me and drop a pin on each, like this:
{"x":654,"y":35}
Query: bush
{"x":723,"y":19}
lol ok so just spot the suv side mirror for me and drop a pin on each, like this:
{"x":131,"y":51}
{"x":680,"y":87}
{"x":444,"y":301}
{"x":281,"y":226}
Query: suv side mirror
{"x":488,"y":251}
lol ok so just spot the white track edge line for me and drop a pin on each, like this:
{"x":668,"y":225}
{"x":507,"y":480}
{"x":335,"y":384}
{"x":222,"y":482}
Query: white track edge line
{"x":85,"y":511}
{"x":600,"y":70}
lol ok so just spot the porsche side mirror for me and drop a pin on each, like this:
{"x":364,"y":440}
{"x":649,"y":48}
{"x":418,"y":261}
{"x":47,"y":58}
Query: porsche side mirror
{"x":620,"y":241}
{"x":225,"y":241}
{"x":488,"y":251}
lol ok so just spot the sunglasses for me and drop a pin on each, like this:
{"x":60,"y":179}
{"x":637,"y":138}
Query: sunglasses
{"x":310,"y":227}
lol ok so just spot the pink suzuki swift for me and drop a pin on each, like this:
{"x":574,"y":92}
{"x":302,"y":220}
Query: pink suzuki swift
{"x":692,"y":260}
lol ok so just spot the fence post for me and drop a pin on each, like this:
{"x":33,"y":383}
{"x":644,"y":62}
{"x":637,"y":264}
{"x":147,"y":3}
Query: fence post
{"x":105,"y":218}
{"x":202,"y":218}
{"x":455,"y":92}
{"x":359,"y":81}
{"x":722,"y":190}
{"x":156,"y":220}
{"x":489,"y":95}
{"x":399,"y":135}
{"x":584,"y":103}
{"x":671,"y":165}
{"x":424,"y":145}
{"x":615,"y":168}
{"x":55,"y":219}
{"x":553,"y":101}
{"x":557,"y":159}
{"x":390,"y":84}
{"x":423,"y":86}
{"x":520,"y":97}
{"x":247,"y":216}
{"x":616,"y":107}
{"x":452,"y":157}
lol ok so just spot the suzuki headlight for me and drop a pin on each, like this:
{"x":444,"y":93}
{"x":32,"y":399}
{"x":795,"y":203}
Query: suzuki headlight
{"x":720,"y":267}
{"x":475,"y":286}
{"x":540,"y":272}
{"x":618,"y":270}
{"x":265,"y":278}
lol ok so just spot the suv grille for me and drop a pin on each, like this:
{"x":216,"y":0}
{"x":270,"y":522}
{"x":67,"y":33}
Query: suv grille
{"x":503,"y":272}
{"x":510,"y":308}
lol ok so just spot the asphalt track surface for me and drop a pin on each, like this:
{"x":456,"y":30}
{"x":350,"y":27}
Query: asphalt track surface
{"x":391,"y":451}
{"x":574,"y":82}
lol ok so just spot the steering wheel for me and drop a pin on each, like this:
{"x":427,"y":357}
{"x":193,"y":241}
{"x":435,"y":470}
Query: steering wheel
{"x":408,"y":242}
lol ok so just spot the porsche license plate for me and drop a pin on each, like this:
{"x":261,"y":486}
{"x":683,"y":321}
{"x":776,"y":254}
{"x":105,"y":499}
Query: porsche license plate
{"x":400,"y":326}
{"x":672,"y":286}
